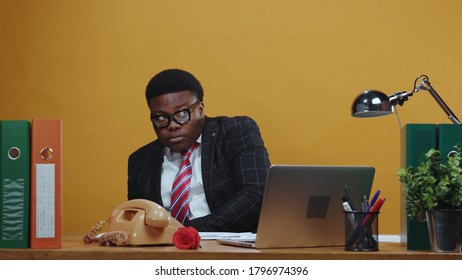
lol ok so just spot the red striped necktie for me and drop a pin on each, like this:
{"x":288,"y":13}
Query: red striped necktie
{"x":179,"y":203}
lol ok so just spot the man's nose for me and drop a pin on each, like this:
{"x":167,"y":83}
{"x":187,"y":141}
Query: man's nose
{"x":173,"y":125}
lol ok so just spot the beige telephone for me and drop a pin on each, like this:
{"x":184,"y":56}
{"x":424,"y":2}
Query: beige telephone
{"x":136,"y":222}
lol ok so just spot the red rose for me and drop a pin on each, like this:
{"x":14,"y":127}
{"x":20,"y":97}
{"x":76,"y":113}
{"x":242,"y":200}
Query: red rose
{"x":186,"y":238}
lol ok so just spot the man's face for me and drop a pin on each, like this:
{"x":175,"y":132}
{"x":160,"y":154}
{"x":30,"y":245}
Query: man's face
{"x":178,"y":137}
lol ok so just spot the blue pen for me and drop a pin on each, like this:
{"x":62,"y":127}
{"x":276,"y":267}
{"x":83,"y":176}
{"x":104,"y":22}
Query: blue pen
{"x":374,"y":198}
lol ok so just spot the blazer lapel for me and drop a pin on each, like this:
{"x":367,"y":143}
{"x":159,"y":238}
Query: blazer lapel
{"x":208,"y":148}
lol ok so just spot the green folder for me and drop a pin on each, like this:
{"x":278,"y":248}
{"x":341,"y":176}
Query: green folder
{"x":15,"y":183}
{"x":449,"y":135}
{"x":416,"y":140}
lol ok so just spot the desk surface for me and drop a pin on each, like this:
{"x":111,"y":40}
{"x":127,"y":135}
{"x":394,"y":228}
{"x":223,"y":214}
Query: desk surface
{"x":74,"y":249}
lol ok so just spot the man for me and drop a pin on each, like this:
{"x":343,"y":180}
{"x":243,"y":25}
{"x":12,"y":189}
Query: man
{"x":227,"y":160}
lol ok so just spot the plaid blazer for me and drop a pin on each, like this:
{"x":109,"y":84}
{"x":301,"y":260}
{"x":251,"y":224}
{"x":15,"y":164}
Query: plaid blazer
{"x":235,"y":164}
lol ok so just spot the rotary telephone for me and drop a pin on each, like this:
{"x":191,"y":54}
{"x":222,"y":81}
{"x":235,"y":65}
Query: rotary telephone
{"x":135,"y":222}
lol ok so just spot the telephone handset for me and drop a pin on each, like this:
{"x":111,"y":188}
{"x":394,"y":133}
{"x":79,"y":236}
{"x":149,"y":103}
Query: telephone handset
{"x":136,"y":222}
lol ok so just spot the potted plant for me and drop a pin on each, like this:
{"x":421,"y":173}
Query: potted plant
{"x":434,"y":189}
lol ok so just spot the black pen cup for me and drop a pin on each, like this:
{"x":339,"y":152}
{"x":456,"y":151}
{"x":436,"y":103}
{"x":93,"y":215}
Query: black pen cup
{"x":361,"y":231}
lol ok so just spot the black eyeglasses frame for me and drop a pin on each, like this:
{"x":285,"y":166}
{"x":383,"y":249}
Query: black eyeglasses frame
{"x":172,"y":116}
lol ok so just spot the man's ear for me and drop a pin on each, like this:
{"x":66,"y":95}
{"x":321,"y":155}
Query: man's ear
{"x":201,"y":108}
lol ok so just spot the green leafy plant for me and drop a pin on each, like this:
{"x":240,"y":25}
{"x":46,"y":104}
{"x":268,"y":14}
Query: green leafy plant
{"x":434,"y":184}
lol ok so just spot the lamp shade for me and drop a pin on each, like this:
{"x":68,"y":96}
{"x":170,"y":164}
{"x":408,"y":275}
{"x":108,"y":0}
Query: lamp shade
{"x":371,"y":103}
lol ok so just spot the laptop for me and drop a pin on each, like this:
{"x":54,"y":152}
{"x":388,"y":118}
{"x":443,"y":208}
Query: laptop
{"x":302,"y":205}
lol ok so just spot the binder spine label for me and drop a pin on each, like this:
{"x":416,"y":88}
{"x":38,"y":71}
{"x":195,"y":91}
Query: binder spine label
{"x":45,"y":201}
{"x":13,"y":209}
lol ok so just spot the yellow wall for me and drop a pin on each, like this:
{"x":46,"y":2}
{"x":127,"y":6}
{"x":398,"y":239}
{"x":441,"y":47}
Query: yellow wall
{"x":294,"y":66}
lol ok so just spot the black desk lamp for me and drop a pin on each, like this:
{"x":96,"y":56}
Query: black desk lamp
{"x":372,"y":103}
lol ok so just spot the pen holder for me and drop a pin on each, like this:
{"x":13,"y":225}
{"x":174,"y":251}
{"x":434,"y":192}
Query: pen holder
{"x":361,"y":231}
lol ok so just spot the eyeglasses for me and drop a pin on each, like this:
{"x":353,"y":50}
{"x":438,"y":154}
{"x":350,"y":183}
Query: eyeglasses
{"x":180,"y":117}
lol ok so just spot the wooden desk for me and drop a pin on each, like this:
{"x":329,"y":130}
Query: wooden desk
{"x":74,"y":249}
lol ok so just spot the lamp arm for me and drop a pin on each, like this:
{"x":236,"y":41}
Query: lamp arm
{"x":399,"y":98}
{"x":425,"y":84}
